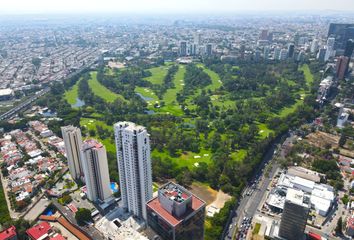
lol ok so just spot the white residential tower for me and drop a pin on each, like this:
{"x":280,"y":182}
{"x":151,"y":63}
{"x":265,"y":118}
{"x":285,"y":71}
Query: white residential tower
{"x":134,"y":165}
{"x":95,"y":166}
{"x":73,"y":144}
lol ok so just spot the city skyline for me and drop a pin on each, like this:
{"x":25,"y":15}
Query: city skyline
{"x":172,"y":6}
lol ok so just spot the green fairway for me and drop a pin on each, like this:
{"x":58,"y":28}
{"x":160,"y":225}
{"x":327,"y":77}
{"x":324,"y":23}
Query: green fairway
{"x":309,"y":80}
{"x":169,"y":98}
{"x":90,"y":124}
{"x":171,"y":105}
{"x":158,"y":74}
{"x":101,"y":91}
{"x":308,"y":75}
{"x":264,"y":131}
{"x":222,"y":101}
{"x":187,"y":159}
{"x":215,"y":79}
{"x":239,"y":155}
{"x":288,"y":110}
{"x":71,"y":95}
{"x":170,"y":95}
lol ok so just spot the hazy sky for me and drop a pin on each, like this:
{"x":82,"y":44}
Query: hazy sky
{"x":166,"y":6}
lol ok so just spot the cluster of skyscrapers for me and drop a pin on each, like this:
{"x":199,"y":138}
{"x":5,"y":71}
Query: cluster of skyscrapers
{"x":195,"y":48}
{"x":181,"y":212}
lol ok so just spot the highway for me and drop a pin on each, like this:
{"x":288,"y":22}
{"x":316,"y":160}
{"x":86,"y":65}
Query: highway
{"x":24,"y":105}
{"x":252,"y":195}
{"x":12,"y":112}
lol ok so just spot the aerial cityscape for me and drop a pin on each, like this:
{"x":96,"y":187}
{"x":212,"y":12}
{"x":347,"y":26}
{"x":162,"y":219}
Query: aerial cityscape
{"x":176,"y":120}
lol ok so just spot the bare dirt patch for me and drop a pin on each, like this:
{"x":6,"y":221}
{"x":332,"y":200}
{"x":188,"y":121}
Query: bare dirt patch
{"x":204,"y":192}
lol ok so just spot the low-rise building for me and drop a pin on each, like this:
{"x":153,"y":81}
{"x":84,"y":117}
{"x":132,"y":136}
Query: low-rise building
{"x":9,"y":234}
{"x":6,"y":94}
{"x":40,"y":231}
{"x":350,"y":226}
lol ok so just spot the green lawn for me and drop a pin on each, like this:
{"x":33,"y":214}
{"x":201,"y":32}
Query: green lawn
{"x":187,"y":159}
{"x":101,"y":91}
{"x":215,"y":79}
{"x":155,"y":187}
{"x":71,"y":95}
{"x":308,"y":75}
{"x":171,"y":105}
{"x":264,"y":131}
{"x":169,"y":98}
{"x":309,"y":80}
{"x":288,"y":110}
{"x":170,"y":95}
{"x":256,"y":229}
{"x":90,"y":124}
{"x":158,"y":74}
{"x":239,"y":155}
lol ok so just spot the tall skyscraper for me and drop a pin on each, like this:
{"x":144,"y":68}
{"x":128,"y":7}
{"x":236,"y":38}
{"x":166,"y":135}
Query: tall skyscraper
{"x":331,"y":42}
{"x":95,"y":165}
{"x":264,"y":35}
{"x":291,"y":50}
{"x":183,"y":49}
{"x":242,"y":51}
{"x":314,"y":46}
{"x":266,"y":53}
{"x":198,"y":38}
{"x":321,"y":55}
{"x":277,"y":51}
{"x":342,"y":32}
{"x":301,"y":56}
{"x":73,"y":143}
{"x":342,"y":67}
{"x":294,"y":217}
{"x":349,"y":48}
{"x":329,"y":53}
{"x":209,"y":49}
{"x":134,"y":165}
{"x":283,"y":54}
{"x":257,"y":55}
{"x":176,"y":213}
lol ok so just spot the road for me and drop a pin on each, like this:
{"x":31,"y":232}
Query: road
{"x":12,"y":112}
{"x":247,"y":206}
{"x":24,"y":105}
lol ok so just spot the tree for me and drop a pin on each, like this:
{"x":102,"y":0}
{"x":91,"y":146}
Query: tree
{"x":342,"y":140}
{"x":339,"y":226}
{"x":36,"y":62}
{"x":83,"y":216}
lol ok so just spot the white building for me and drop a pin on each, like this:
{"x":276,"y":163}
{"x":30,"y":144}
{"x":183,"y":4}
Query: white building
{"x":342,"y":118}
{"x":330,"y":42}
{"x":314,"y":46}
{"x":95,"y":166}
{"x":283,"y":54}
{"x":73,"y":144}
{"x":134,"y":165}
{"x":321,"y":195}
{"x":276,"y":55}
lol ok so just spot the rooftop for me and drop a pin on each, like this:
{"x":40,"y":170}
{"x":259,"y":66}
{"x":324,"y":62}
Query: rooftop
{"x":296,"y":197}
{"x":39,"y":231}
{"x":350,"y":222}
{"x":175,"y":193}
{"x":92,"y":143}
{"x":179,"y":195}
{"x":6,"y":92}
{"x":130,"y":126}
{"x":8,"y":233}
